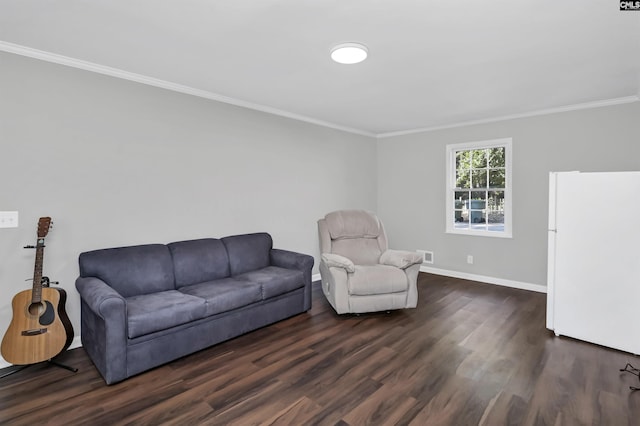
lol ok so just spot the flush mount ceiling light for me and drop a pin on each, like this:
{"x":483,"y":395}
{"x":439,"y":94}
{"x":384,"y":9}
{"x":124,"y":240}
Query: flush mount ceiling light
{"x":349,"y":53}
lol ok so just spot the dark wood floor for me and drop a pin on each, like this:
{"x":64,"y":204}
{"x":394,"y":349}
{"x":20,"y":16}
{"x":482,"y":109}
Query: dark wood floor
{"x":469,"y":354}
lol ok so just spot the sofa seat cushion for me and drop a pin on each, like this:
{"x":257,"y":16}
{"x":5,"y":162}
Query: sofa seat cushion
{"x":377,"y":279}
{"x":225,"y":294}
{"x":158,"y":311}
{"x":274,"y":280}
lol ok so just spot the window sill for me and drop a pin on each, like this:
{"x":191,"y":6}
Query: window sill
{"x":476,"y":233}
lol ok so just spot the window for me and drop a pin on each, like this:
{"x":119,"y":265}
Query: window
{"x":479,"y":188}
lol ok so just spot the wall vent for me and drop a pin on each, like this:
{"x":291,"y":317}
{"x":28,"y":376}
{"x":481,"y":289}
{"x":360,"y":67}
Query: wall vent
{"x":427,"y":256}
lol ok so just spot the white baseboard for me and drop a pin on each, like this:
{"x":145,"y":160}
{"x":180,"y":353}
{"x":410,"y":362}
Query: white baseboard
{"x":75,"y":343}
{"x":473,"y":277}
{"x":484,"y":279}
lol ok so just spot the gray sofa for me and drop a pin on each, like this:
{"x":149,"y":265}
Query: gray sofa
{"x":143,"y":306}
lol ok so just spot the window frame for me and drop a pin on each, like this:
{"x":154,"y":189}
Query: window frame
{"x":451,"y":151}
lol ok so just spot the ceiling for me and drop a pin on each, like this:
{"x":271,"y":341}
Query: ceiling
{"x":431,"y":64}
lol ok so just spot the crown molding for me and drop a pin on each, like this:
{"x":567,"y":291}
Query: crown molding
{"x":566,"y":108}
{"x":150,"y":81}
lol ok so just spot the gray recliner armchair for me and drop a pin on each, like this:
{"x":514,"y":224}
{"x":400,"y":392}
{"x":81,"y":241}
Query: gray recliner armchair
{"x":359,"y":273}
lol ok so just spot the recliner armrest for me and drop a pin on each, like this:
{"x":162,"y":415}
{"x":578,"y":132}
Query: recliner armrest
{"x":333,"y":260}
{"x":400,"y":258}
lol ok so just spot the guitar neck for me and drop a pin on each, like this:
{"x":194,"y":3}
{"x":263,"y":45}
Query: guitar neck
{"x":36,"y":294}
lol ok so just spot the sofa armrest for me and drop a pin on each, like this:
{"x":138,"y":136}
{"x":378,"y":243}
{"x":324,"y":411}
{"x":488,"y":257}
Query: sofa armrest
{"x":333,"y":260}
{"x":301,"y":262}
{"x":103,"y":300}
{"x":400,"y":258}
{"x":104,"y":327}
{"x":291,"y":260}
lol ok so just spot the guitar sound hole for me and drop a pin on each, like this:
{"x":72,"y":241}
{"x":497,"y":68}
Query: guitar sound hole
{"x":36,"y":309}
{"x":44,"y":310}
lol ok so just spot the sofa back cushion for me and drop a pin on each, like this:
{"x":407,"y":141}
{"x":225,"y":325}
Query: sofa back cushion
{"x":197,"y":261}
{"x":131,"y":271}
{"x":248,"y":252}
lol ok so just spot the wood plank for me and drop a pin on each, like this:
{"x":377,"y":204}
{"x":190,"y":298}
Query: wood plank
{"x":470,"y":353}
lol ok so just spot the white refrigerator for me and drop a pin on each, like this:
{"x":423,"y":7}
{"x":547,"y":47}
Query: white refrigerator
{"x":593,"y":278}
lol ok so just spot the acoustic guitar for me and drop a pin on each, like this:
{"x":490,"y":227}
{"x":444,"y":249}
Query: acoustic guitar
{"x":40,"y":328}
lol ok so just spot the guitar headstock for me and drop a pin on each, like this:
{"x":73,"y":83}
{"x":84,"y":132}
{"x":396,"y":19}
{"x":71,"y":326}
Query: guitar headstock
{"x":44,"y":224}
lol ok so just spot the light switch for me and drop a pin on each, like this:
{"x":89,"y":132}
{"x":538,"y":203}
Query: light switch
{"x":8,"y":219}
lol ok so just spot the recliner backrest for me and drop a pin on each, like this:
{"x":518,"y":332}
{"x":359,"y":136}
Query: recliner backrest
{"x":355,"y":234}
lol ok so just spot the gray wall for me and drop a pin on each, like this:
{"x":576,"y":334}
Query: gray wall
{"x":411,"y":185}
{"x":117,"y":163}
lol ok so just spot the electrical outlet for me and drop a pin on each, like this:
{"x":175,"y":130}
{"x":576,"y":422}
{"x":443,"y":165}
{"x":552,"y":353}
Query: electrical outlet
{"x":427,"y":256}
{"x":8,"y":219}
{"x":470,"y":259}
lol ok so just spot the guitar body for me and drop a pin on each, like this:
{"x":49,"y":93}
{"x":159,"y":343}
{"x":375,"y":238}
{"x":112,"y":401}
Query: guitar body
{"x":38,"y":331}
